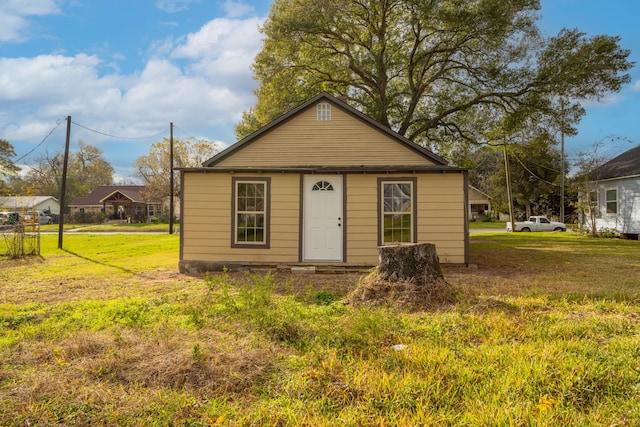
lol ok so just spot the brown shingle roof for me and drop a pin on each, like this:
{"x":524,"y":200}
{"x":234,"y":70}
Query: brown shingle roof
{"x":133,"y":192}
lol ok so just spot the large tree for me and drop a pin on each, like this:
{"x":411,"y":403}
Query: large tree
{"x":440,"y":72}
{"x":534,"y":166}
{"x":535,"y":176}
{"x":86,"y":169}
{"x":154,"y":167}
{"x":7,"y":167}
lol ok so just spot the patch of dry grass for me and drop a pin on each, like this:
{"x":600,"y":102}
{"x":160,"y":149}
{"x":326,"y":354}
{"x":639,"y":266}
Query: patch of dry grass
{"x":374,"y":291}
{"x":542,"y":330}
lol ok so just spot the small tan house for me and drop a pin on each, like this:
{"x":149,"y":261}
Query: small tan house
{"x":322,"y":185}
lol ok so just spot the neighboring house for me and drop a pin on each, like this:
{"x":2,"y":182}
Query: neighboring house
{"x":479,"y":203}
{"x":322,"y":185}
{"x":615,"y":194}
{"x":27,"y":204}
{"x":118,"y":202}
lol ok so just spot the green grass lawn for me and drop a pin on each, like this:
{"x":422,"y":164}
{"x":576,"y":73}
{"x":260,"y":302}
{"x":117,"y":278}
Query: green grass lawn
{"x":494,"y":224}
{"x":115,"y":228}
{"x":544,"y":332}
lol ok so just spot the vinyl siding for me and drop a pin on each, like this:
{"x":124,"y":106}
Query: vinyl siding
{"x":341,"y":141}
{"x":627,"y":220}
{"x":362,"y":219}
{"x":207,"y":220}
{"x":207,"y":217}
{"x":440,"y":215}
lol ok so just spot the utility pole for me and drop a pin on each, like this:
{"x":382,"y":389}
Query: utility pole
{"x":171,"y":178}
{"x":508,"y":179}
{"x":562,"y":176}
{"x":63,"y":186}
{"x":562,"y":171}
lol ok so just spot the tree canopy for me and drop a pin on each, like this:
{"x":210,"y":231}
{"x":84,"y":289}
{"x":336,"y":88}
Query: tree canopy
{"x":439,"y":72}
{"x":153,"y":168}
{"x":86,"y":170}
{"x":7,"y":167}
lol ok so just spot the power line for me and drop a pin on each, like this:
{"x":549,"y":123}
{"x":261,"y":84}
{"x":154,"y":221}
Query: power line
{"x":533,"y":174}
{"x":190,"y":134}
{"x":41,"y":142}
{"x":182,"y":130}
{"x":117,"y":136}
{"x":186,"y":133}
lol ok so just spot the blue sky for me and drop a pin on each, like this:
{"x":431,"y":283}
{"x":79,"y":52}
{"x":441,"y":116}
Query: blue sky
{"x":129,"y":68}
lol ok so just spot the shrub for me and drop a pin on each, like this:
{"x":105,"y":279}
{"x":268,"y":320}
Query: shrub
{"x":609,"y":233}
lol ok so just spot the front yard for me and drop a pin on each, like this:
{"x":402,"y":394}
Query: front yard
{"x":544,"y":331}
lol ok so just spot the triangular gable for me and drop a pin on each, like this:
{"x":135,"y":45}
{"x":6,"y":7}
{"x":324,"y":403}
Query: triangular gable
{"x":133,"y":194}
{"x":299,"y":139}
{"x":477,"y":194}
{"x":117,"y":196}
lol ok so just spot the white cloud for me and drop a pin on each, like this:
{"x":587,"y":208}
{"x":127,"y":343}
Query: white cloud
{"x":173,"y":6}
{"x":222,"y":52}
{"x":29,"y":7}
{"x":11,"y":27}
{"x":607,"y":100}
{"x":234,"y":9}
{"x":221,"y":36}
{"x":201,"y":81}
{"x":15,"y":14}
{"x":635,"y":87}
{"x":45,"y":77}
{"x":163,"y":93}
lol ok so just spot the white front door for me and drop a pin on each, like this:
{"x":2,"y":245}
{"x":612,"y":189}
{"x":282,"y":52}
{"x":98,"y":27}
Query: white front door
{"x":323,"y":218}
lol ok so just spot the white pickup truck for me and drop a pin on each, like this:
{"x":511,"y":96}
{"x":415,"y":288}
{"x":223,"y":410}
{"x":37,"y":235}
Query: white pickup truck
{"x":537,"y":223}
{"x":37,"y":216}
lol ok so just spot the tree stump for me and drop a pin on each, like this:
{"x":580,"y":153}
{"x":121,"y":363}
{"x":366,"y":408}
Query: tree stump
{"x":417,"y":263}
{"x":408,"y":277}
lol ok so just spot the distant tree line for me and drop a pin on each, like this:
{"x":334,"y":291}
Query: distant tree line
{"x":88,"y":169}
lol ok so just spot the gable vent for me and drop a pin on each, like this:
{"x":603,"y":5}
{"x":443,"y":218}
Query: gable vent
{"x":324,"y":112}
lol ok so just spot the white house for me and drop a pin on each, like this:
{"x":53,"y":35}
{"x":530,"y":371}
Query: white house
{"x":47,"y":204}
{"x":615,"y":194}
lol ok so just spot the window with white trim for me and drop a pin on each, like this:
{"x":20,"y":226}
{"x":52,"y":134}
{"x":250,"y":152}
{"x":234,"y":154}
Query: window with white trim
{"x":323,"y":111}
{"x":250,"y":212}
{"x":397,"y":216}
{"x":611,"y":201}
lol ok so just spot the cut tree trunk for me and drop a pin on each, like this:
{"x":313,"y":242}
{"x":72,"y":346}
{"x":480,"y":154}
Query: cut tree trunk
{"x":417,"y":263}
{"x":408,"y":277}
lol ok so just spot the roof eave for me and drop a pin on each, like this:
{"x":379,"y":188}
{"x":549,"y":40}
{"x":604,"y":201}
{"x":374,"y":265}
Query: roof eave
{"x":617,"y":178}
{"x":327,"y":169}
